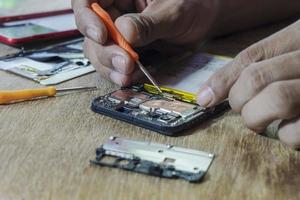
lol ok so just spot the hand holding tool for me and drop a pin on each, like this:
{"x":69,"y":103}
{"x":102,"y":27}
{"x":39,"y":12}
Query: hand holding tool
{"x":11,"y":96}
{"x":118,"y":38}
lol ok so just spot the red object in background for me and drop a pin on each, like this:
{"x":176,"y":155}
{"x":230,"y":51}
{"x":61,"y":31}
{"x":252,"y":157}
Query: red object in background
{"x":4,"y":19}
{"x":45,"y":36}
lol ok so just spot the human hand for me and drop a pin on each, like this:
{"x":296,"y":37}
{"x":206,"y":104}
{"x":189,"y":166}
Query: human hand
{"x":175,"y":21}
{"x":263,"y":84}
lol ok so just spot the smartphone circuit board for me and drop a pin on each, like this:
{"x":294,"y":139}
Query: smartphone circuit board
{"x":156,"y":112}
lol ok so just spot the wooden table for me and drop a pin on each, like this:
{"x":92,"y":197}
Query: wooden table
{"x":46,"y":145}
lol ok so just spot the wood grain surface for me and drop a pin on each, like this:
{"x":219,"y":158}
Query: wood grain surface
{"x":46,"y":145}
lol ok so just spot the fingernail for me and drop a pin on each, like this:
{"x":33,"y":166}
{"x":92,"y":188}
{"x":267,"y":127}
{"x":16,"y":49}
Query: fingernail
{"x":119,"y":63}
{"x":92,"y":33}
{"x":205,"y":96}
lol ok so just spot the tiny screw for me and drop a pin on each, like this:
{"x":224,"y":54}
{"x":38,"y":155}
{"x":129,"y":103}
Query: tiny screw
{"x":112,"y":138}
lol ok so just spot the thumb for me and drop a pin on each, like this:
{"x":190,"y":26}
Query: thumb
{"x":140,"y":29}
{"x":217,"y":87}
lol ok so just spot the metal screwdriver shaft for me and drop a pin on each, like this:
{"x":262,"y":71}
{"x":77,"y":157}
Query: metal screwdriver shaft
{"x":151,"y":79}
{"x":10,"y":96}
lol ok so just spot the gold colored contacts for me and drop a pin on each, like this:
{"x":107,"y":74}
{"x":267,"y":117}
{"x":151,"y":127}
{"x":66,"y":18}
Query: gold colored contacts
{"x":169,"y":92}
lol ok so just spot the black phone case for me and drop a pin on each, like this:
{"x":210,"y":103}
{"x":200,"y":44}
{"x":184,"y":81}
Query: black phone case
{"x":163,"y":129}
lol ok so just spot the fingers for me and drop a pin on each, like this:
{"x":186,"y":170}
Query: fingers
{"x":112,"y":62}
{"x":143,"y":28}
{"x":111,"y":56}
{"x":134,"y":25}
{"x":218,"y":86}
{"x":289,"y":133}
{"x":116,"y":58}
{"x":259,"y":75}
{"x":105,"y":3}
{"x":279,"y":100}
{"x":125,"y":5}
{"x":140,"y":5}
{"x":88,"y":22}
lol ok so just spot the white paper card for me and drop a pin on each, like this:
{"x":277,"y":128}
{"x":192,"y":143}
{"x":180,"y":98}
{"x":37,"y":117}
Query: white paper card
{"x":29,"y":68}
{"x":192,"y":72}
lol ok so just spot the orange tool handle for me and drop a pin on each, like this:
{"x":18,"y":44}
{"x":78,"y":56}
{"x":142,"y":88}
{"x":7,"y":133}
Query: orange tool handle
{"x":7,"y":97}
{"x":113,"y":31}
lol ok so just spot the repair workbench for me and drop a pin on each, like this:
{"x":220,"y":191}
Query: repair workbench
{"x":46,"y":146}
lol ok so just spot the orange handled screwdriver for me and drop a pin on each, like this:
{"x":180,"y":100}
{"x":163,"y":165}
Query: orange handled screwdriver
{"x":11,"y":96}
{"x":118,"y":38}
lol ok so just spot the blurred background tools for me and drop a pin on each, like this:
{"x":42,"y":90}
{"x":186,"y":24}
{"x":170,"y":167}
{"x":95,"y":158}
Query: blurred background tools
{"x":118,"y":38}
{"x":11,"y":96}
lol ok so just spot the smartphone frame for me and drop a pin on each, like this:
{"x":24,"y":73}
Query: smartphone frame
{"x":163,"y":129}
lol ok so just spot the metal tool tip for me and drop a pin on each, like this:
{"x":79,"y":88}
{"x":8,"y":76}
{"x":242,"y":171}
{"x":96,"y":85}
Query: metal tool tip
{"x":148,"y":75}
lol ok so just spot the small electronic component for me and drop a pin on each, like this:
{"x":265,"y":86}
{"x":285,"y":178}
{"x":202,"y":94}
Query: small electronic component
{"x":154,"y":159}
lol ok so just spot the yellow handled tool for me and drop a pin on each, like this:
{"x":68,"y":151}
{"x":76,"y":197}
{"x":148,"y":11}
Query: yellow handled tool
{"x":11,"y":96}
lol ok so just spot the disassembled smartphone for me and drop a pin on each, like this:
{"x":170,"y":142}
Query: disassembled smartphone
{"x":154,"y":159}
{"x":173,"y":111}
